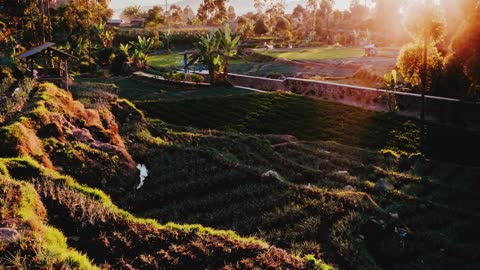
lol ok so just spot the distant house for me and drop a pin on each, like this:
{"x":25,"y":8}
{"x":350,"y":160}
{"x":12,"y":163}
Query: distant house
{"x":137,"y":23}
{"x":114,"y":22}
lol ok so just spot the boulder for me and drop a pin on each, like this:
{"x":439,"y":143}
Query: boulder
{"x":8,"y":235}
{"x":349,"y":188}
{"x":384,"y":185}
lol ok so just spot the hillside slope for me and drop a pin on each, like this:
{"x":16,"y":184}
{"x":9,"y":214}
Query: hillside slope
{"x":56,"y":135}
{"x":354,"y":208}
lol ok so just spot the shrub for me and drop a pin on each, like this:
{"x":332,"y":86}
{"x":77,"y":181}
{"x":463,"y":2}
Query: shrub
{"x":197,"y":78}
{"x":84,"y":66}
{"x":117,"y":63}
{"x":174,"y":76}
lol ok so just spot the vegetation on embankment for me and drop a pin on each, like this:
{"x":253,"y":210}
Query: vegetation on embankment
{"x":310,"y":197}
{"x":58,"y":135}
{"x":311,"y":120}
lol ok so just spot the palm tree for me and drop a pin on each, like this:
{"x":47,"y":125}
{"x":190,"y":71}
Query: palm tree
{"x":228,"y":47}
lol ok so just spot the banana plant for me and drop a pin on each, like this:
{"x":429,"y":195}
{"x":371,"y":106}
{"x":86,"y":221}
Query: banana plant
{"x":228,"y":47}
{"x":106,"y":36}
{"x":208,"y":53}
{"x":125,"y":48}
{"x":142,"y":49}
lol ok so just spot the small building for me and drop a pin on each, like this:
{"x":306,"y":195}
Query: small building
{"x":114,"y":22}
{"x":137,"y":23}
{"x":46,"y":63}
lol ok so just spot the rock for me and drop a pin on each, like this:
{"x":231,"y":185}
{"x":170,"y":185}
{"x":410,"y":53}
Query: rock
{"x":349,"y":188}
{"x":74,"y":238}
{"x":384,"y":185}
{"x":272,"y":174}
{"x":342,"y":174}
{"x":394,"y":215}
{"x":8,"y":235}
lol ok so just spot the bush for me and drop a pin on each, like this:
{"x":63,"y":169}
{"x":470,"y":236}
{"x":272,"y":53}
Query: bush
{"x":117,"y":63}
{"x":84,"y":66}
{"x":197,"y":78}
{"x":174,"y":76}
{"x":105,"y":56}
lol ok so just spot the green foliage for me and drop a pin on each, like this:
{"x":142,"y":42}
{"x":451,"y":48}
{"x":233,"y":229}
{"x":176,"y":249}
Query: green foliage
{"x":410,"y":64}
{"x":213,"y":12}
{"x":464,"y":61}
{"x":196,"y":78}
{"x":208,"y":52}
{"x":117,"y":64}
{"x":142,"y":49}
{"x":261,"y":27}
{"x":174,"y":76}
{"x":132,"y":12}
{"x":426,"y":21}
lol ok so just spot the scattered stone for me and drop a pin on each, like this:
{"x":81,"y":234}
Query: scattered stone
{"x":349,"y":188}
{"x":394,"y":215}
{"x":384,"y":185}
{"x":8,"y":235}
{"x":342,"y":173}
{"x":74,"y":238}
{"x":272,"y":174}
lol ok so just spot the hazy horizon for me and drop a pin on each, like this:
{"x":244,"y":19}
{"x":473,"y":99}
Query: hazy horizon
{"x":120,"y":4}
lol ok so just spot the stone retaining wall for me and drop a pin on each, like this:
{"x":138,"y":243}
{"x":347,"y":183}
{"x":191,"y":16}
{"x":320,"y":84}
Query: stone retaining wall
{"x":439,"y":109}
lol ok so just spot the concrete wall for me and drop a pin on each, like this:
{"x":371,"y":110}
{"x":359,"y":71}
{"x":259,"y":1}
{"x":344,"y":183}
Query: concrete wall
{"x":439,"y":109}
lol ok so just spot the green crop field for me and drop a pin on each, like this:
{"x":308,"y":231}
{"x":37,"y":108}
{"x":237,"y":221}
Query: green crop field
{"x":310,"y":119}
{"x":313,"y":53}
{"x":292,"y":193}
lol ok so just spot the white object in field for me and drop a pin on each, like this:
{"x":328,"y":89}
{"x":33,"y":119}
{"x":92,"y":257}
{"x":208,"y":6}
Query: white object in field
{"x":143,"y":174}
{"x":35,"y":74}
{"x":15,"y":92}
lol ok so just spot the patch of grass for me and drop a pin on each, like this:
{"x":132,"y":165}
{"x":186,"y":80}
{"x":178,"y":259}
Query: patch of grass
{"x":314,"y":53}
{"x":139,"y":89}
{"x":172,"y":60}
{"x":310,"y":119}
{"x":40,"y":246}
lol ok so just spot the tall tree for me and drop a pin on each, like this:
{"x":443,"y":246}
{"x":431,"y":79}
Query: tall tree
{"x":231,"y":13}
{"x":213,"y":12}
{"x":326,"y":8}
{"x":155,"y":16}
{"x":312,"y":6}
{"x":465,"y":50}
{"x":420,"y":62}
{"x":132,"y":12}
{"x":386,"y":16}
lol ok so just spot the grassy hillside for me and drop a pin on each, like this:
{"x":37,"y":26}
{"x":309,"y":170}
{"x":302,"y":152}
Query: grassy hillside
{"x":318,"y":200}
{"x":311,"y":120}
{"x":315,"y":197}
{"x":56,"y":134}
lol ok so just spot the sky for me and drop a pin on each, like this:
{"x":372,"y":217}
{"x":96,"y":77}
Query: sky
{"x":117,"y":4}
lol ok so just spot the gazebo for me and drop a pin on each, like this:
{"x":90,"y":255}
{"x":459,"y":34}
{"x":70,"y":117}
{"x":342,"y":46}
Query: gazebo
{"x":53,"y":70}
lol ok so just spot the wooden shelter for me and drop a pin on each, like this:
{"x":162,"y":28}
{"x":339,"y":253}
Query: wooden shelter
{"x":54,"y":64}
